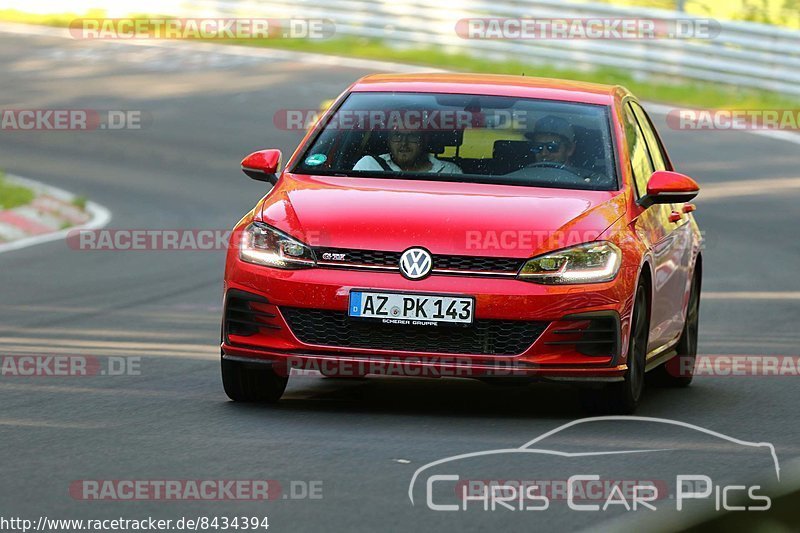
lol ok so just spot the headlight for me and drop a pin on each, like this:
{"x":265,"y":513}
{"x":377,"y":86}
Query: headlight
{"x":592,"y":262}
{"x":264,"y":245}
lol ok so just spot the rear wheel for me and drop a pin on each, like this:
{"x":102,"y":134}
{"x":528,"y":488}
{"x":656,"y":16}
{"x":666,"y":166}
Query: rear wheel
{"x":252,"y":382}
{"x":623,"y":397}
{"x":679,"y":371}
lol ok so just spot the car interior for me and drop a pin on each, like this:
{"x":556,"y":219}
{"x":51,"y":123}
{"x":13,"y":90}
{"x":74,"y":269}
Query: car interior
{"x":482,"y":148}
{"x":510,"y":151}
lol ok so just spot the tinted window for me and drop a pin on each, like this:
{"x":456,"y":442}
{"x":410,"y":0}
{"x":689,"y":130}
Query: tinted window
{"x":463,"y":137}
{"x":654,"y":147}
{"x":637,"y":151}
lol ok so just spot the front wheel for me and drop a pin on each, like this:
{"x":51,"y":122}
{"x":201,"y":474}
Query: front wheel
{"x":252,"y":382}
{"x":623,"y":397}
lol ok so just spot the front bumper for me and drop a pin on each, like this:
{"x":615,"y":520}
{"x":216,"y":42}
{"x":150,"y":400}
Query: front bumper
{"x":581,"y":338}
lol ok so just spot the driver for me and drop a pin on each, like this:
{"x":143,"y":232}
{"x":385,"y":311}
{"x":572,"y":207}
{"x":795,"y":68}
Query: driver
{"x":553,"y":140}
{"x":408,"y":152}
{"x":553,"y":144}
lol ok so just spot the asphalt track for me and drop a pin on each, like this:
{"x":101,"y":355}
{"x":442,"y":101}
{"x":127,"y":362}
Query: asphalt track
{"x":362,"y":439}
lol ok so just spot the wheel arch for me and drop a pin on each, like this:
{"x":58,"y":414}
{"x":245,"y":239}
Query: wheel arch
{"x":646,"y":277}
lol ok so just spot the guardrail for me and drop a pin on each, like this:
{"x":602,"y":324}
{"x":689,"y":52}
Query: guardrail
{"x":742,"y":54}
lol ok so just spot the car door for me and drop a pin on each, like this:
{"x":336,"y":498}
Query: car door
{"x":654,"y":229}
{"x":679,"y":236}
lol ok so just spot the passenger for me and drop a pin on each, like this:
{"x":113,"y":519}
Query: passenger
{"x":408,"y":152}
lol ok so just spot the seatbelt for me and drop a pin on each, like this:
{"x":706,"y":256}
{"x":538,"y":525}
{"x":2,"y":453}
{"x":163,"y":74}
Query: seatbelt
{"x":382,"y":162}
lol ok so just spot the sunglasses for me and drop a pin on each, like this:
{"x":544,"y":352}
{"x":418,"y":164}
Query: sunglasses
{"x":551,"y":147}
{"x":410,"y":138}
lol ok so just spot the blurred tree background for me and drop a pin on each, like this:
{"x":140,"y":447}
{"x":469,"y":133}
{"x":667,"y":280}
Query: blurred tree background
{"x":780,"y":12}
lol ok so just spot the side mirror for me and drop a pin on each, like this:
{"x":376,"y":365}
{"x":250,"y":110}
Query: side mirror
{"x":665,"y":187}
{"x":263,"y":165}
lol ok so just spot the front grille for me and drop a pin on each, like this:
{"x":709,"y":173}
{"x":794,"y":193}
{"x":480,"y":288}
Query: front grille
{"x":440,"y":262}
{"x":363,"y":257}
{"x":484,"y":337}
{"x":464,"y":262}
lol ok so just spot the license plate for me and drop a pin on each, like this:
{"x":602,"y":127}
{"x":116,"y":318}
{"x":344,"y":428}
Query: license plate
{"x":411,"y":309}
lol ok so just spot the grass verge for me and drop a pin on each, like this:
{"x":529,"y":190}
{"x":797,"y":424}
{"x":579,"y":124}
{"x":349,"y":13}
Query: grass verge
{"x":665,"y":89}
{"x":12,"y":195}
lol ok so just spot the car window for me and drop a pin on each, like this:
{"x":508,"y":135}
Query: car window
{"x":654,"y":147}
{"x":637,"y":151}
{"x":465,"y":137}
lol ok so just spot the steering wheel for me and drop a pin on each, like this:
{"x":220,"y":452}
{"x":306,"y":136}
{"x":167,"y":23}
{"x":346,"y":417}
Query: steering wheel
{"x":582,"y":174}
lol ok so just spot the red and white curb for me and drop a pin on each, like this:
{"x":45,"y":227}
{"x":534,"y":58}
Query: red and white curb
{"x":44,"y":219}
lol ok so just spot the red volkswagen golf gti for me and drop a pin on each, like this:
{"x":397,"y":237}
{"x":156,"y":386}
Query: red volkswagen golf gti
{"x":490,"y":227}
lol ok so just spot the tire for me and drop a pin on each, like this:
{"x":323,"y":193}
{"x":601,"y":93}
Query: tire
{"x":679,"y":371}
{"x":252,"y":383}
{"x":623,"y":397}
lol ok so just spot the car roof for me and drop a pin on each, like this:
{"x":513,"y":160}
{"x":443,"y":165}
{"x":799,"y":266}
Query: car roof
{"x":494,"y":85}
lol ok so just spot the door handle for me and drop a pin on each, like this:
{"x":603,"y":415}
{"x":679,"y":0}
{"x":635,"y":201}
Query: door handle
{"x":674,"y":217}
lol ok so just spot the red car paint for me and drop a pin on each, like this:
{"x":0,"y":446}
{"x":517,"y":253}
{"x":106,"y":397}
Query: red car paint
{"x":394,"y":215}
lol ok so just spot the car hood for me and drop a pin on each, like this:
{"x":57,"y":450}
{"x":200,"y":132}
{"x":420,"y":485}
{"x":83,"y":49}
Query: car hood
{"x":444,"y":217}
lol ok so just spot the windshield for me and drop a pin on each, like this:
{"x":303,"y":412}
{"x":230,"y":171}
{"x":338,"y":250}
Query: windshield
{"x":470,"y":138}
